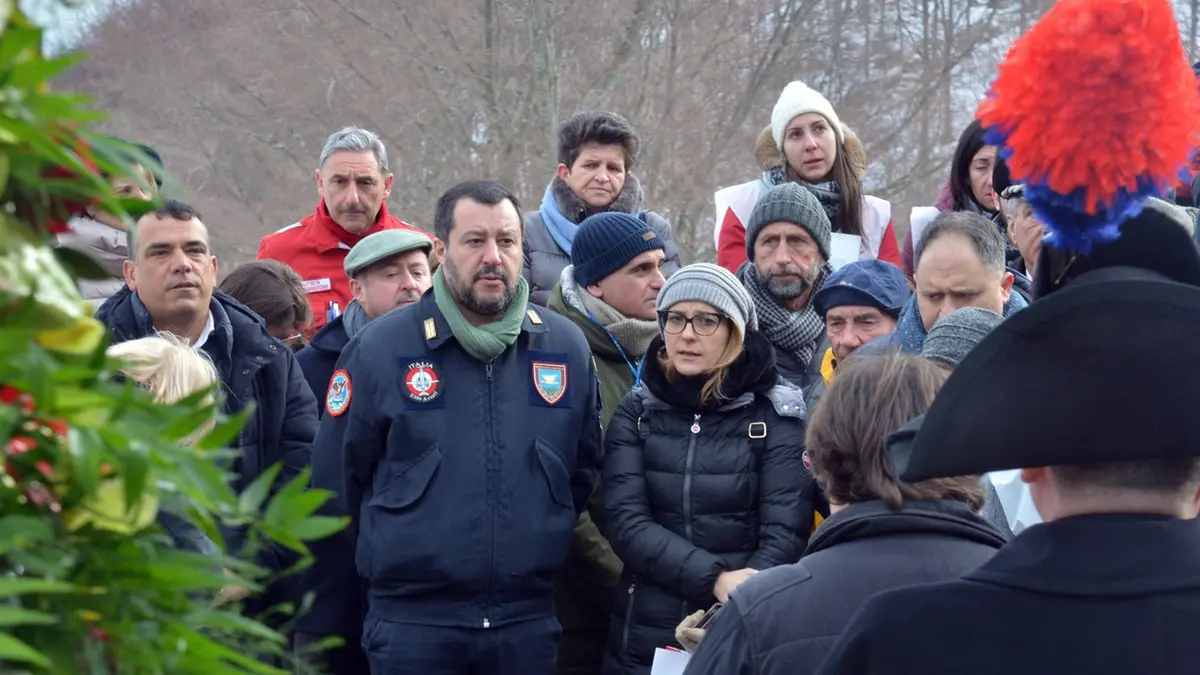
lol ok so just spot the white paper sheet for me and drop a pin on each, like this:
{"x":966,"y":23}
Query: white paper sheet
{"x":920,"y":219}
{"x":843,"y":249}
{"x":668,"y":662}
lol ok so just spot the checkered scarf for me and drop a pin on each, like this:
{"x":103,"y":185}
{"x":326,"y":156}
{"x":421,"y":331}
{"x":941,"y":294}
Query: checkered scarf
{"x":794,"y":332}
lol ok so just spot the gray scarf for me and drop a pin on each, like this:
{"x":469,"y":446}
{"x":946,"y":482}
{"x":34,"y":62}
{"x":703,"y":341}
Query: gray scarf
{"x":354,"y":318}
{"x":828,"y":192}
{"x":797,"y":332}
{"x":633,"y":335}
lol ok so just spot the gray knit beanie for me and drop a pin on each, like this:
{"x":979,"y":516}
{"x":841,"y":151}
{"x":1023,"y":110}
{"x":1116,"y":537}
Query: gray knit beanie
{"x":790,"y":203}
{"x":957,"y":333}
{"x":711,"y":284}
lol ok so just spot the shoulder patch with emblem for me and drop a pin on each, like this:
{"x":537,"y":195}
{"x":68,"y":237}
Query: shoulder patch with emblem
{"x":337,"y":397}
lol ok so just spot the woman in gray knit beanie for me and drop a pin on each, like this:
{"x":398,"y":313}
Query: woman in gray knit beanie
{"x":711,"y":415}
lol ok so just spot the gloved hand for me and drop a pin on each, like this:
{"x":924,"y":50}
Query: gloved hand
{"x":687,"y":634}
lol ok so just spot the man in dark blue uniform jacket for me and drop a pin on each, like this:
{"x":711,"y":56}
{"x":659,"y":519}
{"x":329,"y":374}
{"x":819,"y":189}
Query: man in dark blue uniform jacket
{"x":462,"y":434}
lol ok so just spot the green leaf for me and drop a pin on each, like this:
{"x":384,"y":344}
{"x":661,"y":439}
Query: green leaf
{"x":134,"y":469}
{"x":252,"y":497}
{"x":24,"y":586}
{"x":33,"y":73}
{"x":12,"y":649}
{"x":19,"y":531}
{"x":224,"y":433}
{"x":319,"y":527}
{"x":12,"y":615}
{"x":188,"y":424}
{"x":80,"y":264}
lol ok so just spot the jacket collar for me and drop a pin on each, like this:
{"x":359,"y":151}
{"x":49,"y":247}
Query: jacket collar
{"x":331,"y":338}
{"x":1076,"y":556}
{"x":870,"y":519}
{"x":436,"y":330}
{"x":329,"y":235}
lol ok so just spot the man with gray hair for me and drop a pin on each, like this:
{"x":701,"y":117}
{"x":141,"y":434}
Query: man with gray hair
{"x":959,"y":263}
{"x":354,"y":183}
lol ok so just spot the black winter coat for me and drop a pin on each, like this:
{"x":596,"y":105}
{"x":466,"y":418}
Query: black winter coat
{"x":319,"y":359}
{"x":691,"y":492}
{"x":252,"y":366}
{"x":784,"y":621}
{"x":1100,"y":594}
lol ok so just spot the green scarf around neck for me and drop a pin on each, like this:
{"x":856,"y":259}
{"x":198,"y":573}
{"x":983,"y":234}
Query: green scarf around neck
{"x":488,"y":341}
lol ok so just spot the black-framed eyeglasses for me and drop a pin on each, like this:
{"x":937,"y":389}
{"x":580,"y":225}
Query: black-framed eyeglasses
{"x":703,"y":324}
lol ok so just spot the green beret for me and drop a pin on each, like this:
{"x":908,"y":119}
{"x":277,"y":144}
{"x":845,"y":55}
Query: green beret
{"x":373,"y":248}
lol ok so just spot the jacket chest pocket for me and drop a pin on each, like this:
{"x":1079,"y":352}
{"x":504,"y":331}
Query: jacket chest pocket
{"x":543,"y":513}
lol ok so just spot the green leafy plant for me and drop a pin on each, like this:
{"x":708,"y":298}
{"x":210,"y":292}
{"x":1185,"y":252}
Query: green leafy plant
{"x":89,"y":581}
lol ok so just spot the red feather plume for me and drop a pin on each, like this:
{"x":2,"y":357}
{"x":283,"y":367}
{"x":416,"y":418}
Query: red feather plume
{"x":1097,"y":103}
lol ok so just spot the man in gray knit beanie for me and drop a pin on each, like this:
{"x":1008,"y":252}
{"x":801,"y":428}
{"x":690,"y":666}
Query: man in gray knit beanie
{"x":787,"y":249}
{"x":957,"y":333}
{"x":713,"y":285}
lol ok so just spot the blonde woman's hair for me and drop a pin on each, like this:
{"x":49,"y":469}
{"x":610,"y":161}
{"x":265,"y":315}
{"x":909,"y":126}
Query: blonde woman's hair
{"x":166,"y":366}
{"x":711,"y":390}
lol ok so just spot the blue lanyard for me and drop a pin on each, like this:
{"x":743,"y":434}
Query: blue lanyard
{"x":635,"y":370}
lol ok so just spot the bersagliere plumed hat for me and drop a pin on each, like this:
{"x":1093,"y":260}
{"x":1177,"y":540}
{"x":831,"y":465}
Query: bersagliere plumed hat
{"x":1104,"y":365}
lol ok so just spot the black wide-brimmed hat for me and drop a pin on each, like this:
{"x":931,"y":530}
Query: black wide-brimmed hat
{"x":1105,"y":370}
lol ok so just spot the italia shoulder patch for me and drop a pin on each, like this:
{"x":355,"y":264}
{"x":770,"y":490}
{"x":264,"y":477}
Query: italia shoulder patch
{"x":337,"y":398}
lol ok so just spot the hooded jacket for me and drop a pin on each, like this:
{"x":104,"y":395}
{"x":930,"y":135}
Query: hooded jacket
{"x":693,"y":492}
{"x":785,"y":620}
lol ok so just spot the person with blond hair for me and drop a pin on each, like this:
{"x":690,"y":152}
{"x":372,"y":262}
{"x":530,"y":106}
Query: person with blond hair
{"x":703,"y":479}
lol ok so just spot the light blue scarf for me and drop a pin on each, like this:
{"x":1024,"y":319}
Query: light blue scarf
{"x":562,"y":229}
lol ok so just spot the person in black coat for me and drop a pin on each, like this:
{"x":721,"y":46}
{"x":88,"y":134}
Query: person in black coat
{"x":704,"y":483}
{"x":169,"y":288}
{"x":882,"y":533}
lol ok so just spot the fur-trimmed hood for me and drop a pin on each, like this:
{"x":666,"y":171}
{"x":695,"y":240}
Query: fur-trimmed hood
{"x":575,"y":209}
{"x":769,"y":156}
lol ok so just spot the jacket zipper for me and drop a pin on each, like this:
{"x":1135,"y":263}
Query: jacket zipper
{"x":490,"y":463}
{"x":687,"y":479}
{"x":687,"y":487}
{"x":628,"y":615}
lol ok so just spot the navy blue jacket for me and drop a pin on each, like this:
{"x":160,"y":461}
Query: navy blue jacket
{"x":252,"y":366}
{"x":319,"y":358}
{"x":464,"y":479}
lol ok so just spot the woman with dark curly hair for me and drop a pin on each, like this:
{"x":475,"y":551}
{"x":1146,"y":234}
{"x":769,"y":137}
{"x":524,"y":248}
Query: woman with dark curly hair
{"x":882,"y":533}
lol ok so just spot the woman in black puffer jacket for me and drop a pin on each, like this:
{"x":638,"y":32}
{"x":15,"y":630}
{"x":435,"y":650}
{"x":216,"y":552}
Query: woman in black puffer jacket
{"x":704,"y":482}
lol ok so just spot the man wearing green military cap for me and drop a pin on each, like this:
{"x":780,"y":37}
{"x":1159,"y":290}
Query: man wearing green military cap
{"x":388,"y":269}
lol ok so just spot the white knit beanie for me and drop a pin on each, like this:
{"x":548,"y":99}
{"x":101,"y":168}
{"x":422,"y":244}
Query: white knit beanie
{"x":798,"y":98}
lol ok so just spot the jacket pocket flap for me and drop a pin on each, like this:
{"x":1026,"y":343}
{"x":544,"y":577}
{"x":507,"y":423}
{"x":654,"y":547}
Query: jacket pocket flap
{"x":556,"y":473}
{"x":410,"y":483}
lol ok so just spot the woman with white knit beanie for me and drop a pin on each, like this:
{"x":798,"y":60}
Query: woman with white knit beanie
{"x":808,"y":144}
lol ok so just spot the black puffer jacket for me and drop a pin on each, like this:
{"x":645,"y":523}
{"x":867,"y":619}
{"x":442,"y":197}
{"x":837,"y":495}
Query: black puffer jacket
{"x":693,"y":491}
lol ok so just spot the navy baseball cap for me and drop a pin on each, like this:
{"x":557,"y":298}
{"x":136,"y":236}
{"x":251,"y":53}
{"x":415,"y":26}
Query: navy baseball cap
{"x":867,"y":283}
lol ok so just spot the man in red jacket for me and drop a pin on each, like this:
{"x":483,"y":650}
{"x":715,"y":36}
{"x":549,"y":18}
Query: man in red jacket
{"x":354,"y":184}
